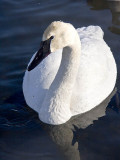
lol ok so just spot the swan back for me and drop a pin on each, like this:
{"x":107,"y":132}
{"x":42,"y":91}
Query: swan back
{"x":93,"y":32}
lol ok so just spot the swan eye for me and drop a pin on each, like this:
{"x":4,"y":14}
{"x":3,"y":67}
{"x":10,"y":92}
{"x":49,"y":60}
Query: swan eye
{"x":51,"y":37}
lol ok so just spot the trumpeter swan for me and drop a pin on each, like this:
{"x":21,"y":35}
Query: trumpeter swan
{"x":72,"y":72}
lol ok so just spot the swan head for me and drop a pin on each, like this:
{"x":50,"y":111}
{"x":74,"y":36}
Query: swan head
{"x":63,"y":35}
{"x":57,"y":36}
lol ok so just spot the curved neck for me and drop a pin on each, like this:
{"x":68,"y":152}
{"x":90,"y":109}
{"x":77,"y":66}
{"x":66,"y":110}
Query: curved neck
{"x":57,"y":100}
{"x":66,"y":76}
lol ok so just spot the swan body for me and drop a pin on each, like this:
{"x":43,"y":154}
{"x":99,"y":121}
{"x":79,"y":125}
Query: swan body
{"x":77,"y":76}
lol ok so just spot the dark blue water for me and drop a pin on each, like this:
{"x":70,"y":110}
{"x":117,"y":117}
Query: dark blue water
{"x":93,"y":135}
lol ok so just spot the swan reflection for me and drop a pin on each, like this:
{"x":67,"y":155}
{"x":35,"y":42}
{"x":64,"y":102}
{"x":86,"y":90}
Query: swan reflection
{"x":82,"y":137}
{"x":66,"y":136}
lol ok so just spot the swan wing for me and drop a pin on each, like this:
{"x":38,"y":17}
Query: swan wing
{"x":97,"y":72}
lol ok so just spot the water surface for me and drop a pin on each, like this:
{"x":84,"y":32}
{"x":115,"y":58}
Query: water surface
{"x":22,"y":135}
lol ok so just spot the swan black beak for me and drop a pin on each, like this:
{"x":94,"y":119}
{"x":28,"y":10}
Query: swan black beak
{"x":42,"y":53}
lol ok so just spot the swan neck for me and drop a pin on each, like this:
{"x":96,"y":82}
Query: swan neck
{"x":57,"y":100}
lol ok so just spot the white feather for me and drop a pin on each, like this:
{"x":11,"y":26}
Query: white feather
{"x":94,"y":81}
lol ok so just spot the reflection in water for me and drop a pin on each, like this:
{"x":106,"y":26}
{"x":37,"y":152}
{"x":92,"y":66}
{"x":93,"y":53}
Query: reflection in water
{"x":115,"y":10}
{"x":23,"y":136}
{"x":66,"y":136}
{"x":114,"y":6}
{"x":98,"y":4}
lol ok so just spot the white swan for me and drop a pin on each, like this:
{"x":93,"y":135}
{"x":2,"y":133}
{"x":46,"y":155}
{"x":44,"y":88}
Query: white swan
{"x":77,"y":76}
